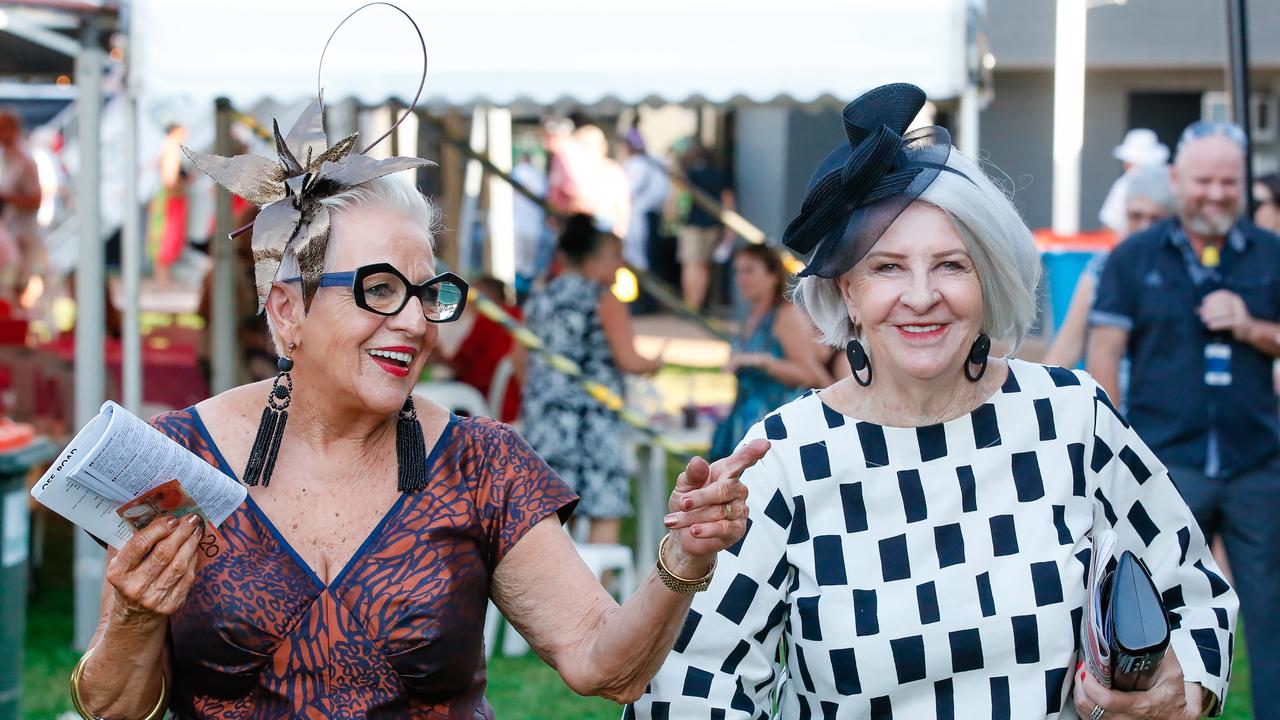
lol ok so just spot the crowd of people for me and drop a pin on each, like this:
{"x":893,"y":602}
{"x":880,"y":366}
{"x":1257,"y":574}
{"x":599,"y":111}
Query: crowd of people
{"x":35,"y":198}
{"x":629,"y":192}
{"x":616,"y":211}
{"x":1179,"y":326}
{"x":895,"y":514}
{"x":1193,"y":303}
{"x":907,"y":537}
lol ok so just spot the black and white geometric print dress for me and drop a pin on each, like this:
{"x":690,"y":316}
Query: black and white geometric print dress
{"x":582,"y":440}
{"x":937,"y":572}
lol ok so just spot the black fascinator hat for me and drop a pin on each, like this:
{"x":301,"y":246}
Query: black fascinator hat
{"x":863,"y":185}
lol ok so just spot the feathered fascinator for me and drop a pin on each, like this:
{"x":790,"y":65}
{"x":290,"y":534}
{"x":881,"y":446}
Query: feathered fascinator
{"x":863,"y":185}
{"x":290,"y":187}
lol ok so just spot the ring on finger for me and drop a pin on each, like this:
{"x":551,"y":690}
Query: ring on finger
{"x":1097,"y":713}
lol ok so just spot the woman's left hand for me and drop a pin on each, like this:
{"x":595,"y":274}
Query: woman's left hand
{"x":708,"y":510}
{"x":1168,"y":698}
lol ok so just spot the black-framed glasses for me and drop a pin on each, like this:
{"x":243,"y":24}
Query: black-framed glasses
{"x":381,"y":289}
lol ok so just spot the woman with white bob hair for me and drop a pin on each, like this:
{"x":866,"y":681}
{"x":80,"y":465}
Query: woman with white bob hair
{"x":921,"y":531}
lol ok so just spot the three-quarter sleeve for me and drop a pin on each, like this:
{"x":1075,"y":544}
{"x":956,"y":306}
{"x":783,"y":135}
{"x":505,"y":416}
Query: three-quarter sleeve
{"x":724,"y":663}
{"x":518,"y":489}
{"x":1135,"y":495}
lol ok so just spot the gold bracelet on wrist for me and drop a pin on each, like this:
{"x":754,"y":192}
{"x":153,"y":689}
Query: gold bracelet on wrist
{"x":156,"y":713}
{"x":674,"y":582}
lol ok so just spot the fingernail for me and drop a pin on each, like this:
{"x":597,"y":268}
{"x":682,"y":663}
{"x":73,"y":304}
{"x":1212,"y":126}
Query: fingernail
{"x":669,"y":520}
{"x":173,"y":521}
{"x":696,"y":530}
{"x":193,"y":520}
{"x":686,"y":504}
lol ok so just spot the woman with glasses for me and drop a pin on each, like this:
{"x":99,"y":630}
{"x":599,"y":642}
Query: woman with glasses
{"x":354,"y":580}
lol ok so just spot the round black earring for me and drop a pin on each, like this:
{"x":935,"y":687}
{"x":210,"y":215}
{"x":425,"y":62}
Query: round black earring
{"x":858,"y":361}
{"x":978,"y":355}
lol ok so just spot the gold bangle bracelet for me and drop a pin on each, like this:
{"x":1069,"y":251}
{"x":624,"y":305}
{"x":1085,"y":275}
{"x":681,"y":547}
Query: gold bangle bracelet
{"x":156,"y":713}
{"x":674,"y":582}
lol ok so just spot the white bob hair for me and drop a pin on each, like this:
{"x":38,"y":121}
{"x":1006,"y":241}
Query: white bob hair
{"x":386,"y":192}
{"x":1003,"y":251}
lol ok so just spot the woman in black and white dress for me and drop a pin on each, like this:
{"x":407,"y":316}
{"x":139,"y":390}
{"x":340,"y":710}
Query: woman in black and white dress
{"x":920,"y":533}
{"x":576,"y":316}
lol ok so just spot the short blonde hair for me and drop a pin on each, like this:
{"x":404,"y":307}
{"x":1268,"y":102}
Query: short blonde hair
{"x":1003,"y":251}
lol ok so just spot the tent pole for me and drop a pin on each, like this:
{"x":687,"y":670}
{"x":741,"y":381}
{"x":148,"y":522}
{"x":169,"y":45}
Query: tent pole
{"x":452,"y":163}
{"x":1238,"y":83}
{"x":223,"y":325}
{"x":501,"y":221}
{"x":130,"y":234}
{"x":90,"y":315}
{"x":131,"y":261}
{"x":1068,"y":114}
{"x":970,"y":124}
{"x":970,"y":101}
{"x":472,"y":183}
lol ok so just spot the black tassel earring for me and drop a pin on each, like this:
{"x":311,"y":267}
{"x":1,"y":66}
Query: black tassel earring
{"x":978,"y":356}
{"x":858,"y":361}
{"x":411,"y":450}
{"x":266,"y":444}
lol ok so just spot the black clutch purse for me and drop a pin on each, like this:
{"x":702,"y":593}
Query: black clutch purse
{"x":1137,"y":626}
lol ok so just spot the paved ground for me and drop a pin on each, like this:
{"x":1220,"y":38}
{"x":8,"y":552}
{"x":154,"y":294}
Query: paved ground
{"x":681,"y":342}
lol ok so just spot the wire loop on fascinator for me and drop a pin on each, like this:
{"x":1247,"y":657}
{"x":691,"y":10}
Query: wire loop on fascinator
{"x":307,"y":170}
{"x":421,"y":82}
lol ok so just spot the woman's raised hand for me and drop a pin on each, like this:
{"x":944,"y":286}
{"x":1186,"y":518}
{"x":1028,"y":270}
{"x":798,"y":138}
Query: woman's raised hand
{"x":708,"y":510}
{"x":153,"y":572}
{"x":1169,"y":698}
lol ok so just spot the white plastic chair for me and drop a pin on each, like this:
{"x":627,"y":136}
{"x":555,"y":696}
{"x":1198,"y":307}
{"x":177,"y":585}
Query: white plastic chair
{"x":458,"y":397}
{"x":502,"y":375}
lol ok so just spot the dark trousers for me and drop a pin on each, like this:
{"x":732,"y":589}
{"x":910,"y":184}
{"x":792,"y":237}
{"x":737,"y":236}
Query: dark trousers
{"x":1243,"y":509}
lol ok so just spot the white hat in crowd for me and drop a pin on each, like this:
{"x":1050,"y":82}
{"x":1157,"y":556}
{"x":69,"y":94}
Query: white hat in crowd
{"x":1141,"y":147}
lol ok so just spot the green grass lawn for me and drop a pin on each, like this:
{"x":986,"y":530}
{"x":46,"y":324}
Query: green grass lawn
{"x":521,"y":688}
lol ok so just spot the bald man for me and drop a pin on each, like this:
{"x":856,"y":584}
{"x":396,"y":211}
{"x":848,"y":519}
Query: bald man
{"x":1194,"y":302}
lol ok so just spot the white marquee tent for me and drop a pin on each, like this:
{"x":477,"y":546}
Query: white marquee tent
{"x":497,"y":52}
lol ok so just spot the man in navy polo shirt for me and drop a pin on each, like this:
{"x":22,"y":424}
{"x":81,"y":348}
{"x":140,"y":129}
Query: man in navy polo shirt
{"x":1193,"y":301}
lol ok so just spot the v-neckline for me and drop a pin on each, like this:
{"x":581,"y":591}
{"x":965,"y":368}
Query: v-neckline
{"x":446,"y":436}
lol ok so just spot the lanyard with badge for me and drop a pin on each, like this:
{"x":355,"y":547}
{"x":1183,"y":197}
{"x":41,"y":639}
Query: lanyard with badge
{"x":1217,"y":351}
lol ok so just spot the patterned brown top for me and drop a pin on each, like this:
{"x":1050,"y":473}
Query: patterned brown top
{"x":399,"y":632}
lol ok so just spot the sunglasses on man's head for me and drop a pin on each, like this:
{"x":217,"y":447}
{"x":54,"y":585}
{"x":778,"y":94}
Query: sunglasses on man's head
{"x":382,"y":290}
{"x":1210,"y":128}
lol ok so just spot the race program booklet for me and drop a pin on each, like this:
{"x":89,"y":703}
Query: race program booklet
{"x":1125,"y":631}
{"x":1095,"y":644}
{"x":118,"y":473}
